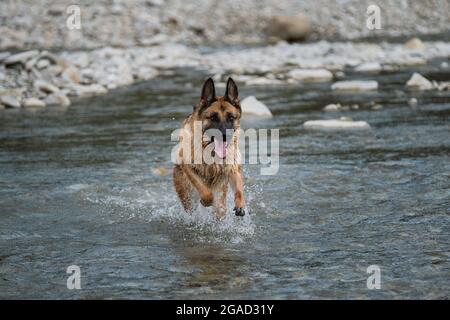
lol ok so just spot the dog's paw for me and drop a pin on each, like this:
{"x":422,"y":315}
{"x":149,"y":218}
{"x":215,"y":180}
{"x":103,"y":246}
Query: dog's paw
{"x":240,"y":212}
{"x":207,"y":200}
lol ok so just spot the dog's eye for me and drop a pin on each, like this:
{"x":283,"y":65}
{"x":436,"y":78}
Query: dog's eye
{"x":231,"y":118}
{"x":214,"y":117}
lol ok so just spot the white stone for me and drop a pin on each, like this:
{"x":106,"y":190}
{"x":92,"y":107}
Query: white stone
{"x":336,"y":124}
{"x":10,"y":101}
{"x":332,"y":107}
{"x":45,"y":86}
{"x":415,"y":44}
{"x":43,"y":63}
{"x":368,"y":67}
{"x":93,"y":89}
{"x":21,"y":57}
{"x":57,"y":99}
{"x":4,"y":55}
{"x":261,"y":81}
{"x":377,"y":107}
{"x":413,"y":102}
{"x":311,"y":75}
{"x":251,"y":105}
{"x":33,"y":103}
{"x":417,"y":81}
{"x":355,"y":85}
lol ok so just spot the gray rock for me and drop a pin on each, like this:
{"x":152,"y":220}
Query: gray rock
{"x":81,"y":59}
{"x":53,"y":59}
{"x":251,"y":106}
{"x":45,"y":86}
{"x":332,"y":107}
{"x":419,"y":82}
{"x":33,"y":103}
{"x":58,"y":99}
{"x":368,"y":67}
{"x":22,"y":57}
{"x":377,"y":107}
{"x":415,"y":44}
{"x":334,"y":124}
{"x":311,"y":75}
{"x":30,"y":64}
{"x":71,"y":74}
{"x":4,"y":55}
{"x":53,"y":70}
{"x":42,"y":63}
{"x":413,"y":102}
{"x":10,"y":101}
{"x":355,"y":85}
{"x":89,"y":90}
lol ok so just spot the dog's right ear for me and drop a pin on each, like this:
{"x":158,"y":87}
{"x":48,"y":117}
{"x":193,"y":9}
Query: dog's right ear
{"x":208,"y":93}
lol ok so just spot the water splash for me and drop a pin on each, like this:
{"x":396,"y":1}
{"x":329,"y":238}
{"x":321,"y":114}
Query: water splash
{"x":150,"y":204}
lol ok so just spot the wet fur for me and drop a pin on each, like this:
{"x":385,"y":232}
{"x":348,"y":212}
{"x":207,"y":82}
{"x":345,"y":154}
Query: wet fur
{"x":209,"y":182}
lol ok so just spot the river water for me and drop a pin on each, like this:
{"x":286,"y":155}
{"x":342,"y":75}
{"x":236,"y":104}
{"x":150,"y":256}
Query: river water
{"x":78,"y":187}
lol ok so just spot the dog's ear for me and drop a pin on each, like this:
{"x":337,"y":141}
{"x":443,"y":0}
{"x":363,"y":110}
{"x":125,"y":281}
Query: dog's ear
{"x":208,"y":93}
{"x":231,"y":93}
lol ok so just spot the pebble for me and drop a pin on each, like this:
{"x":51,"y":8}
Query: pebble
{"x":160,"y":171}
{"x":412,"y":102}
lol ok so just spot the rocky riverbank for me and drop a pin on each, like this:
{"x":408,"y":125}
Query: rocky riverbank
{"x":124,"y":23}
{"x":39,"y":78}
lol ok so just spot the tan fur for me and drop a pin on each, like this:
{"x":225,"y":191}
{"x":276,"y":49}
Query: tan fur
{"x":209,"y":182}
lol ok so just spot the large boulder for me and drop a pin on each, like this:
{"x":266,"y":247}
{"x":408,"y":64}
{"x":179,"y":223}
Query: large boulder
{"x":290,"y":28}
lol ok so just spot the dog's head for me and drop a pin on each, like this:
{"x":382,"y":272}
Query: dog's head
{"x":219,"y":114}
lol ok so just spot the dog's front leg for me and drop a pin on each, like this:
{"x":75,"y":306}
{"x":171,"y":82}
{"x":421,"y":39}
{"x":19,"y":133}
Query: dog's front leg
{"x":237,"y":184}
{"x":206,"y":196}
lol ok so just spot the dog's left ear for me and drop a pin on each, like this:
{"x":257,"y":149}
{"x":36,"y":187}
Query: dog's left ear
{"x":231,"y":93}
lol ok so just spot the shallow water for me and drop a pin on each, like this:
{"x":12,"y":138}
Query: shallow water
{"x":77,"y":188}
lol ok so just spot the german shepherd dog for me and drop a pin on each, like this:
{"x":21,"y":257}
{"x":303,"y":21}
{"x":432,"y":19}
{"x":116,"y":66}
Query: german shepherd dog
{"x":209,"y":182}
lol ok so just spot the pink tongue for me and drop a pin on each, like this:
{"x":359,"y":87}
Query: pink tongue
{"x":220,"y":148}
